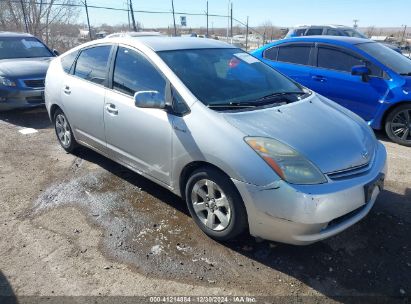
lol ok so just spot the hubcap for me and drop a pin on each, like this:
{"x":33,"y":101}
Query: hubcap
{"x":211,"y":205}
{"x":401,"y":125}
{"x":63,"y":130}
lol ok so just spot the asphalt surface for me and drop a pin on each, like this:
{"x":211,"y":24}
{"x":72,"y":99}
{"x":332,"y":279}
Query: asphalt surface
{"x":84,"y":225}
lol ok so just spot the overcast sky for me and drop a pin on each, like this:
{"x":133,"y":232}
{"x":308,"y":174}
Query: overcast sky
{"x":383,"y":13}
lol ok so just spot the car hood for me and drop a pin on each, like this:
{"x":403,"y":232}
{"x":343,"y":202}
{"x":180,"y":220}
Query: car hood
{"x":331,"y":137}
{"x":24,"y":67}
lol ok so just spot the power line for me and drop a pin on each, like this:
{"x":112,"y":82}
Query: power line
{"x":133,"y":11}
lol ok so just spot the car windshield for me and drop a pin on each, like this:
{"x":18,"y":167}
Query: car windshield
{"x":352,"y":33}
{"x":22,"y":47}
{"x":228,"y":76}
{"x":390,"y":58}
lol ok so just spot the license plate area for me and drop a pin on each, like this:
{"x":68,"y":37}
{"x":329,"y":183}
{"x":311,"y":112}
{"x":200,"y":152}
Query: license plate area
{"x":369,"y":188}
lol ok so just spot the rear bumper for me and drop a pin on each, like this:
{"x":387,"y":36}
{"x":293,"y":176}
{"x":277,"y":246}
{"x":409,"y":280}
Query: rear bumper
{"x":303,"y":215}
{"x":16,"y":98}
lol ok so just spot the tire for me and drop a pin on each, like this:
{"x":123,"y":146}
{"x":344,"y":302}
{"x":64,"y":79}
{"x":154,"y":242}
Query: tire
{"x":398,"y":125}
{"x":63,"y":131}
{"x":215,"y":204}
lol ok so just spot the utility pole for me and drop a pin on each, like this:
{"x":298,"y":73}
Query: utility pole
{"x":246,"y":36}
{"x":132,"y":16}
{"x":88,"y":20}
{"x":403,"y":33}
{"x":174,"y":18}
{"x":24,"y":16}
{"x":207,"y":18}
{"x":228,"y":18}
{"x":128,"y":15}
{"x":231,"y":21}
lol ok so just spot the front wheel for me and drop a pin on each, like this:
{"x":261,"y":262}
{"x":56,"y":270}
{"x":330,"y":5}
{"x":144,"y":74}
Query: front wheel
{"x":215,"y":205}
{"x":64,"y":132}
{"x":398,"y":125}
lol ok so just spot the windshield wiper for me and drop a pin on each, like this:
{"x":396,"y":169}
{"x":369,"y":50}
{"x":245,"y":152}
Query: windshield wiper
{"x":232,"y":105}
{"x":280,"y":94}
{"x":265,"y":100}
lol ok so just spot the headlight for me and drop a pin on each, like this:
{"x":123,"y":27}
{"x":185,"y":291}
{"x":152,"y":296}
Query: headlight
{"x":290,"y":165}
{"x":6,"y":82}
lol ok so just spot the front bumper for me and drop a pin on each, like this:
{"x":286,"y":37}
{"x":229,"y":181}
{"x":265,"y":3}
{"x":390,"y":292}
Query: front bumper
{"x":16,"y":97}
{"x":302,"y":215}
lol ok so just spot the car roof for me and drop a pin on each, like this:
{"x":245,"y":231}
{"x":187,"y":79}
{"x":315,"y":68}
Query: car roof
{"x":160,"y":43}
{"x":13,"y":34}
{"x":329,"y":39}
{"x":323,"y":25}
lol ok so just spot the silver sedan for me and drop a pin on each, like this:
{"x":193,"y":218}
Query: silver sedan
{"x":244,"y":146}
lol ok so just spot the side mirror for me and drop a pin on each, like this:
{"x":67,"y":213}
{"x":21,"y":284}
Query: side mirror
{"x":55,"y":52}
{"x":149,"y":99}
{"x":361,"y":70}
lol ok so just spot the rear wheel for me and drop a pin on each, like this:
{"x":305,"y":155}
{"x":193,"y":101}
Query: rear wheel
{"x":64,"y":132}
{"x":398,"y":125}
{"x":215,"y":204}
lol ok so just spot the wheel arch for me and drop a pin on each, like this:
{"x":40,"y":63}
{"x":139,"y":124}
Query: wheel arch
{"x":188,"y":171}
{"x":390,"y":109}
{"x":54,"y":107}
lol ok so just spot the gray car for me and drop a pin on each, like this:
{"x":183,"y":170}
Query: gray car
{"x":245,"y":147}
{"x":23,"y":65}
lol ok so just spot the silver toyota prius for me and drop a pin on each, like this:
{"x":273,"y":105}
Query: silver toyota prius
{"x":245,"y":147}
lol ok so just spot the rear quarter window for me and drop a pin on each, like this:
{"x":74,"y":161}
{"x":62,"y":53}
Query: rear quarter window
{"x":67,"y":61}
{"x":271,"y":53}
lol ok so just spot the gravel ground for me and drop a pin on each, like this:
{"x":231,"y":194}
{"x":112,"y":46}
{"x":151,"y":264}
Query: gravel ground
{"x":82,"y":225}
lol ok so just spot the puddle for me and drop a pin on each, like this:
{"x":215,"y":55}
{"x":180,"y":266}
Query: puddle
{"x":148,"y":228}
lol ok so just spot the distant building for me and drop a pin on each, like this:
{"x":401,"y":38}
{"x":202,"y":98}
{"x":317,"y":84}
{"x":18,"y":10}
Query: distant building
{"x":380,"y":38}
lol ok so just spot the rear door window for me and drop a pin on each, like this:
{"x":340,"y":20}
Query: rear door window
{"x":300,"y":32}
{"x":314,"y":31}
{"x":333,"y":32}
{"x":92,"y":64}
{"x":294,"y":53}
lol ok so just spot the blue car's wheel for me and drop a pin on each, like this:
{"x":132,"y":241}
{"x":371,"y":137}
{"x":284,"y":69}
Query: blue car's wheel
{"x":398,"y":125}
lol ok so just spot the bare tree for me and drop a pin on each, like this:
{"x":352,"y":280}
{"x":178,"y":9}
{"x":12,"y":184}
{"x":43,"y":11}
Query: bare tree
{"x":269,"y":31}
{"x":37,"y":16}
{"x":370,"y":31}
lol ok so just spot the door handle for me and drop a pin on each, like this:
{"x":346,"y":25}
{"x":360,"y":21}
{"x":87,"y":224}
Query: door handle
{"x":111,"y":109}
{"x":67,"y":90}
{"x":319,"y":78}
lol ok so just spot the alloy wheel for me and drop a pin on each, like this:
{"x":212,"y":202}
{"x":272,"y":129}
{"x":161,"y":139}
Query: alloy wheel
{"x":63,"y":130}
{"x":401,"y":125}
{"x":211,"y":205}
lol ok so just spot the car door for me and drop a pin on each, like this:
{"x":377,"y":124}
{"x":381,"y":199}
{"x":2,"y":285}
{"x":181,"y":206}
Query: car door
{"x":332,"y":78}
{"x":291,"y":59}
{"x":138,"y":137}
{"x":84,"y":92}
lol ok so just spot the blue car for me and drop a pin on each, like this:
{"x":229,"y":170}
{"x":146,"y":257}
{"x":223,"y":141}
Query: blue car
{"x":364,"y":76}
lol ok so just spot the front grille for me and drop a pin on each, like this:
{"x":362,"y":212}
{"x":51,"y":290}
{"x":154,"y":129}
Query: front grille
{"x":351,"y":172}
{"x":35,"y":99}
{"x":34,"y":83}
